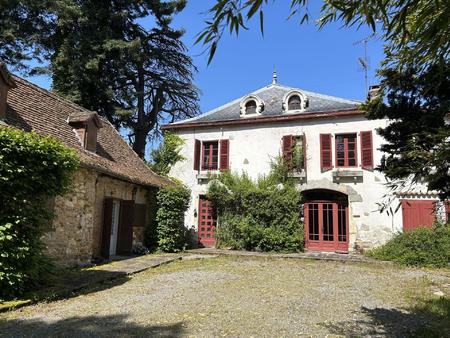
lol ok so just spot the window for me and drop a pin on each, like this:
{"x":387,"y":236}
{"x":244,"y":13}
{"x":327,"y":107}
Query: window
{"x":210,"y":155}
{"x":250,"y":107}
{"x":294,"y":151}
{"x":346,"y":150}
{"x":294,"y":103}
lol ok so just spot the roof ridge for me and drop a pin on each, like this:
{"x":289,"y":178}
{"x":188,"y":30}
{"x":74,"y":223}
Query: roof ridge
{"x":52,"y":95}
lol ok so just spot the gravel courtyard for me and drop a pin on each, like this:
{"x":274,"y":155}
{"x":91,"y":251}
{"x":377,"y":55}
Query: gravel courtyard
{"x":245,"y":297}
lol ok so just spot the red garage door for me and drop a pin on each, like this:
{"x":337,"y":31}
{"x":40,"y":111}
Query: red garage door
{"x":418,"y":214}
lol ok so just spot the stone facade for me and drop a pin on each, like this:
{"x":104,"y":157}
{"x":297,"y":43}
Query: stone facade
{"x":76,"y":233}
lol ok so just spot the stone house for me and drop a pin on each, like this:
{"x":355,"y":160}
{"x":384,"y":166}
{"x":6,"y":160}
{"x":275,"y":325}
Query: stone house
{"x":336,"y":149}
{"x":105,"y":212}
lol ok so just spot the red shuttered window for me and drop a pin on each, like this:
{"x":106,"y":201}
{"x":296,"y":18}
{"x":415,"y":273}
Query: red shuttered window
{"x":287,"y":145}
{"x":294,"y":151}
{"x":326,"y":162}
{"x":418,"y":213}
{"x":210,"y":155}
{"x":346,"y":150}
{"x":366,"y":150}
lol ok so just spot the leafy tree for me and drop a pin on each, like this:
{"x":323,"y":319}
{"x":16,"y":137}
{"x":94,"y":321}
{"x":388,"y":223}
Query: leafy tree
{"x":417,"y":30}
{"x":167,"y":154}
{"x":103,"y":57}
{"x":418,"y":138}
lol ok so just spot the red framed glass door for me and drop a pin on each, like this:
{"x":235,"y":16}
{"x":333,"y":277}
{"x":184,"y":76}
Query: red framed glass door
{"x":326,"y":226}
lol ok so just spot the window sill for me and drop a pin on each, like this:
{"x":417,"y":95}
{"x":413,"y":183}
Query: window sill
{"x":298,"y":174}
{"x":207,"y":174}
{"x":347,"y":175}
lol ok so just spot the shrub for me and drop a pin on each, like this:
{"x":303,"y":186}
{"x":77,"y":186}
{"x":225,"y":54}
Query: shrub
{"x":173,"y":203}
{"x":150,"y":228}
{"x":33,"y":169}
{"x":257,"y":215}
{"x":421,"y":247}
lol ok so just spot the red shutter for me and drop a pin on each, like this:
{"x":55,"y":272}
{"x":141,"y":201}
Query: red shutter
{"x":366,"y":150}
{"x":418,"y":213}
{"x":125,"y":233}
{"x":107,"y":223}
{"x":326,"y":162}
{"x":288,"y":143}
{"x":224,"y":154}
{"x":197,"y":155}
{"x":304,"y":150}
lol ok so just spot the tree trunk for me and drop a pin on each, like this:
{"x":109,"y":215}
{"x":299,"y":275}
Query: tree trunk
{"x":140,"y":132}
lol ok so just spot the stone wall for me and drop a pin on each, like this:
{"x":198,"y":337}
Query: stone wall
{"x":69,"y":241}
{"x":76,"y":233}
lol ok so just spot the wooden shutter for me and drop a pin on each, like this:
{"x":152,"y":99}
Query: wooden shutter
{"x":366,"y":150}
{"x":197,"y":155}
{"x":224,"y":154}
{"x":287,"y":144}
{"x":125,"y":233}
{"x":107,"y":223}
{"x":326,"y":162}
{"x":418,"y":213}
{"x":304,"y":150}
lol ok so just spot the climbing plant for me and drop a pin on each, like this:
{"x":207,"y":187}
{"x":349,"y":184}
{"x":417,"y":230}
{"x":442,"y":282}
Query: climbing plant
{"x":33,"y":170}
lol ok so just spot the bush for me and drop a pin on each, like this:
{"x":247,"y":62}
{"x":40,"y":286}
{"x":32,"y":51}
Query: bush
{"x":33,"y":169}
{"x":261,"y":215}
{"x":421,"y":247}
{"x":173,"y":203}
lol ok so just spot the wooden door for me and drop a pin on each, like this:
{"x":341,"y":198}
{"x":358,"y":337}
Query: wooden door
{"x":125,"y":234}
{"x":107,"y":224}
{"x":418,"y":213}
{"x":326,"y":226}
{"x":206,"y":223}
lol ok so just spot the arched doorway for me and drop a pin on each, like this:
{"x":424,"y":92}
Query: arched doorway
{"x":326,"y":220}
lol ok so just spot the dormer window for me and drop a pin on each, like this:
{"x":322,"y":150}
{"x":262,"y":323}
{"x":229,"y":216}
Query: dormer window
{"x":295,"y":101}
{"x":86,"y":125}
{"x":251,"y":106}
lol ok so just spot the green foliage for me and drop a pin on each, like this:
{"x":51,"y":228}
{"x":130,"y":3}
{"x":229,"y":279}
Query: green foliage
{"x":150,"y":231}
{"x":173,"y":203}
{"x":418,"y":138}
{"x":163,"y":158}
{"x":421,"y":247}
{"x":257,"y":215}
{"x":33,"y":169}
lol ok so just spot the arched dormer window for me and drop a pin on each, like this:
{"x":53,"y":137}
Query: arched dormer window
{"x":251,"y":106}
{"x":295,"y":100}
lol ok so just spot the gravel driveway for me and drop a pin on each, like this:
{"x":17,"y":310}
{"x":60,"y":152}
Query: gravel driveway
{"x":242,"y":297}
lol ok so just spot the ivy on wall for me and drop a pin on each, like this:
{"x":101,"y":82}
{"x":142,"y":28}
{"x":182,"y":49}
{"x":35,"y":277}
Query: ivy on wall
{"x":33,"y":170}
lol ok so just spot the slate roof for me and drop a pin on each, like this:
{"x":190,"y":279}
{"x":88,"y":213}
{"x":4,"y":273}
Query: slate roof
{"x":35,"y":109}
{"x":273,"y":95}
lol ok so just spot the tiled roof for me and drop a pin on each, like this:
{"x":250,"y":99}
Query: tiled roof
{"x":273,"y":95}
{"x":34,"y":109}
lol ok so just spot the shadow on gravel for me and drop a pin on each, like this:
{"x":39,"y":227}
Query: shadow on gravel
{"x":429,"y":319}
{"x":66,"y":284}
{"x":92,"y":326}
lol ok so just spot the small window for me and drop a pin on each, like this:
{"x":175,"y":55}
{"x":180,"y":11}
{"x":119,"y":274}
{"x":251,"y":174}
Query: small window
{"x":294,"y":103}
{"x":210,"y":155}
{"x":250,"y":107}
{"x":346,"y":150}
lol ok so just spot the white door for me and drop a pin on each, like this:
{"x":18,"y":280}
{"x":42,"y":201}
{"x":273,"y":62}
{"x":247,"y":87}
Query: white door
{"x":114,"y":227}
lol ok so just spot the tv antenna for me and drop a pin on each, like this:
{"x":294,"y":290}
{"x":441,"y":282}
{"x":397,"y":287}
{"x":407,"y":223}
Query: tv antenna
{"x":364,"y":61}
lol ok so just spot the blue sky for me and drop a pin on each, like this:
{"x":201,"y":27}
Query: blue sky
{"x":324,"y":61}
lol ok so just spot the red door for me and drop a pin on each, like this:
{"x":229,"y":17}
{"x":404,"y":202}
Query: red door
{"x":326,"y":226}
{"x":206,"y":223}
{"x":418,"y":214}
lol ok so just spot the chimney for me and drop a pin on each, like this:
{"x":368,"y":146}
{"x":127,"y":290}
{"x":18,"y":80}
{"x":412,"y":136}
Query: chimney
{"x":374,"y":92}
{"x":6,"y":83}
{"x":86,"y":126}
